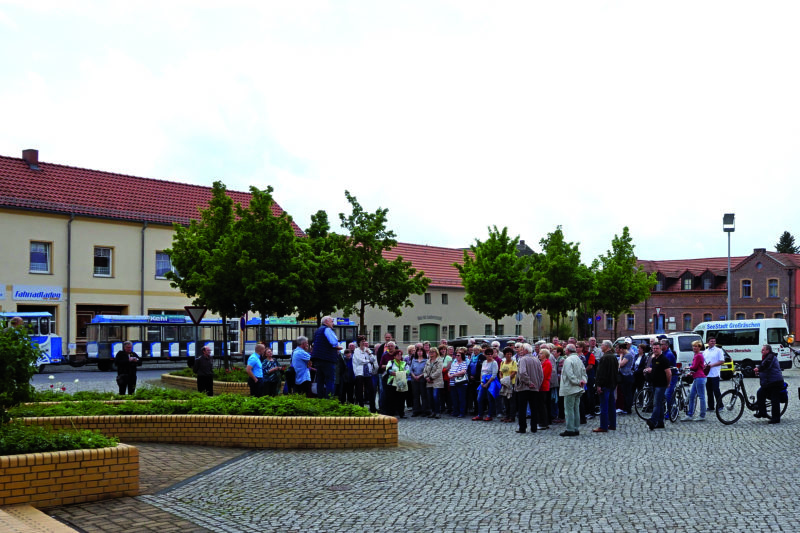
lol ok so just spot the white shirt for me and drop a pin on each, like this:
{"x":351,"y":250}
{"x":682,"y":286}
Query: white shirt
{"x":362,"y":357}
{"x":711,"y":356}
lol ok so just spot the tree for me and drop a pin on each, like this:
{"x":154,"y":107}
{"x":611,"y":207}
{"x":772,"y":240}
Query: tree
{"x":373,"y":280}
{"x":556,"y":280}
{"x":620,"y":282}
{"x":18,"y":359}
{"x":786,"y":244}
{"x":326,"y":270}
{"x":206,"y":256}
{"x":492,"y":274}
{"x":270,"y":260}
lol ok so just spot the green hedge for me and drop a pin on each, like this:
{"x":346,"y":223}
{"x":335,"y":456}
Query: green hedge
{"x":16,"y":438}
{"x":226,"y":404}
{"x":142,"y":393}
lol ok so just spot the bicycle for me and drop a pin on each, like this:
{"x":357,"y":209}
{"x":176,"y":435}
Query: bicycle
{"x":643,"y":402}
{"x":735,"y":400}
{"x":795,"y":357}
{"x":680,"y":402}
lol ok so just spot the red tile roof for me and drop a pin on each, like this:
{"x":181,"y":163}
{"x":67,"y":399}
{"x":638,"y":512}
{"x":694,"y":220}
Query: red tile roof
{"x":677,"y":267}
{"x":64,"y":189}
{"x":791,"y":260}
{"x":436,"y":262}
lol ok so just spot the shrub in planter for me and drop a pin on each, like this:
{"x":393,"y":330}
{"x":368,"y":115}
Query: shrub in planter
{"x":17,"y":438}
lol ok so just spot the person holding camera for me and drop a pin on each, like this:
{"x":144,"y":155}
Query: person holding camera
{"x":127,"y":361}
{"x":365,"y":365}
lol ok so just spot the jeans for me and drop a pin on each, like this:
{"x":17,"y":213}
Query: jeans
{"x":526,"y":399}
{"x":554,"y":402}
{"x":205,"y":384}
{"x":671,"y":389}
{"x":365,"y":391}
{"x":572,"y":412}
{"x":458,"y":396}
{"x":325,"y":379}
{"x":627,"y":392}
{"x":608,"y":408}
{"x":483,"y":396}
{"x":433,"y":400}
{"x":698,"y":390}
{"x":382,"y":395}
{"x":657,"y":418}
{"x":713,"y":393}
{"x":256,"y":387}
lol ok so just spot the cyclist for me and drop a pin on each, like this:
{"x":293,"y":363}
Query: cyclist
{"x":771,"y":377}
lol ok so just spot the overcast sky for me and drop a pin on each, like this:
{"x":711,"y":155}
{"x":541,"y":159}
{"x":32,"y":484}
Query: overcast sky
{"x":456,"y":115}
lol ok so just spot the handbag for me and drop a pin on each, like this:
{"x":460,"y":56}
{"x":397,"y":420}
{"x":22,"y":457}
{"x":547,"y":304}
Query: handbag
{"x":400,"y":381}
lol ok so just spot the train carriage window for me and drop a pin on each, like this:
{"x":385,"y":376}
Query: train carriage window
{"x":153,"y":333}
{"x":170,"y":333}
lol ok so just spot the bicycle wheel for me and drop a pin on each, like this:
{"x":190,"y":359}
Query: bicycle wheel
{"x":732,"y":407}
{"x":644,"y":404}
{"x":768,"y":407}
{"x":796,"y":360}
{"x":677,"y":404}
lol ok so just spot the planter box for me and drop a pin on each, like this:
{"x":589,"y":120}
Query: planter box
{"x":75,"y":476}
{"x":239,"y":431}
{"x":220,"y":387}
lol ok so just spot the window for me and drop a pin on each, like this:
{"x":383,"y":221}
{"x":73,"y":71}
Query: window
{"x":406,"y":333}
{"x":163,"y":265}
{"x":444,"y":298}
{"x":501,"y":329}
{"x":739,"y":316}
{"x":487,"y":329}
{"x":376,"y":333}
{"x":659,"y":282}
{"x":609,"y":322}
{"x":40,"y":258}
{"x":427,"y":298}
{"x":777,"y":315}
{"x":518,"y":329}
{"x":462,"y":331}
{"x":687,"y":322}
{"x":686,"y":283}
{"x":451,"y":332}
{"x":707,"y":317}
{"x":772,"y":288}
{"x":391,"y":331}
{"x":102,"y":261}
{"x":747,"y":288}
{"x":758,"y":316}
{"x":708,"y":281}
{"x":631,"y":321}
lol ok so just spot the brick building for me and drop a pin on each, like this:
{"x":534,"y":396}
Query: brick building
{"x":689,"y":291}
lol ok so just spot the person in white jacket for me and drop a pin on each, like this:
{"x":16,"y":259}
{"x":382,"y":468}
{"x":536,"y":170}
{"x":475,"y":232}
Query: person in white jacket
{"x":573,"y":381}
{"x":364,"y":367}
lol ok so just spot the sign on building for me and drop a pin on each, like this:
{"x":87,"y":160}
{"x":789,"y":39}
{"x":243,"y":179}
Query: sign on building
{"x":37,"y":293}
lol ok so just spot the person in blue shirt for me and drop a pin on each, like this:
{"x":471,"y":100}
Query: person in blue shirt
{"x":326,"y":356}
{"x":300,"y":362}
{"x":673,"y":361}
{"x":255,"y":372}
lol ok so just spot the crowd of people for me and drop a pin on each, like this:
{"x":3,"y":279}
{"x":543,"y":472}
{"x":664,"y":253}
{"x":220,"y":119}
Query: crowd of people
{"x":536,"y":385}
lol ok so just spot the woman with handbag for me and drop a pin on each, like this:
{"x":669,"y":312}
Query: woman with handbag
{"x":419,"y":392}
{"x":488,"y":376}
{"x":508,"y":369}
{"x":434,"y":382}
{"x":397,"y":385}
{"x":697,"y":372}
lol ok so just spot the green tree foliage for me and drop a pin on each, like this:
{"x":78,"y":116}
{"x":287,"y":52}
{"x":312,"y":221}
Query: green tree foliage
{"x":373,"y":280}
{"x":324,"y":256}
{"x":270,"y":260}
{"x":17,"y":359}
{"x":786,"y":244}
{"x":492,"y":274}
{"x":206,"y":255}
{"x":620,"y":282}
{"x":556,"y":280}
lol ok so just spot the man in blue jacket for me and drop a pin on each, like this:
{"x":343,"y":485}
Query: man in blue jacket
{"x":324,"y":356}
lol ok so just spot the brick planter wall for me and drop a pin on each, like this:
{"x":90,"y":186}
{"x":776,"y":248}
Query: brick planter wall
{"x":239,"y":431}
{"x":75,"y":476}
{"x":220,"y":387}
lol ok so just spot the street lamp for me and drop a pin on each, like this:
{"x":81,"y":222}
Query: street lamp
{"x":728,"y":227}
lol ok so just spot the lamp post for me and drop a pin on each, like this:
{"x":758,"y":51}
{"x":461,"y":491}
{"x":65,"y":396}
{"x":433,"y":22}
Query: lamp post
{"x":728,"y":227}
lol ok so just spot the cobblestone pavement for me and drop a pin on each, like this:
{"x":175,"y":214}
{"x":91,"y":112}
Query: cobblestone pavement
{"x":463,"y":476}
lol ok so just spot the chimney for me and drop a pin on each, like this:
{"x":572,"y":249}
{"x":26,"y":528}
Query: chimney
{"x":31,"y":157}
{"x":759,"y":250}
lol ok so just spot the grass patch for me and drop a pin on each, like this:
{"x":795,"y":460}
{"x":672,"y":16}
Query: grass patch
{"x":233,"y":375}
{"x":16,"y":438}
{"x":225,"y":404}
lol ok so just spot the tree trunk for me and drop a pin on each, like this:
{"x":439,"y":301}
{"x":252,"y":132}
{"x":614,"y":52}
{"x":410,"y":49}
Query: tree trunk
{"x":496,"y":322}
{"x":361,"y":326}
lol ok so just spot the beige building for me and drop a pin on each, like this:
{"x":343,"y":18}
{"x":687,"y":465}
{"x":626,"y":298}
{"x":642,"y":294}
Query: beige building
{"x":78,"y":243}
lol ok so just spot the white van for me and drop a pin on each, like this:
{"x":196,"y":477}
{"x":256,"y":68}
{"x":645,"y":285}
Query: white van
{"x":742,"y":339}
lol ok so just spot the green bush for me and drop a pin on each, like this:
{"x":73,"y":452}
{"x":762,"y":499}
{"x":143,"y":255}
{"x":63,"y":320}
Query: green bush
{"x":18,"y":438}
{"x":226,"y":404}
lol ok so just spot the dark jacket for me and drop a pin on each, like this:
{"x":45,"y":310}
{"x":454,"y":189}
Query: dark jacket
{"x":203,"y":366}
{"x":126,"y":367}
{"x":769,"y":371}
{"x":323,"y":350}
{"x":607,"y":370}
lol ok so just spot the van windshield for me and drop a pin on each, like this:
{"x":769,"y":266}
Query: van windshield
{"x":777,"y":335}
